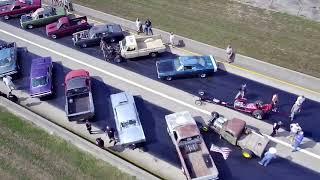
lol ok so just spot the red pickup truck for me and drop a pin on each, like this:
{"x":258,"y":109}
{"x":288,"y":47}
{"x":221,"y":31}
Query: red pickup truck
{"x":18,"y":8}
{"x":66,"y":26}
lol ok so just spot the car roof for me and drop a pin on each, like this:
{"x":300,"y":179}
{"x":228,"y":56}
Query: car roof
{"x":39,"y":66}
{"x":235,"y":126}
{"x":106,"y":28}
{"x":193,"y":60}
{"x":77,"y":73}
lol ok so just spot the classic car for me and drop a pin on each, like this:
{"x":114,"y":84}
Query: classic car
{"x":92,"y":37}
{"x":41,"y":77}
{"x":8,"y":59}
{"x":66,"y":26}
{"x":18,"y":8}
{"x":42,"y":17}
{"x":186,"y":66}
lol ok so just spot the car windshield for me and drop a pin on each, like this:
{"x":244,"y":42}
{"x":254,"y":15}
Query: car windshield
{"x":202,"y":62}
{"x":39,"y":81}
{"x":128,"y":123}
{"x":177,"y":64}
{"x":114,"y":28}
{"x":5,"y":61}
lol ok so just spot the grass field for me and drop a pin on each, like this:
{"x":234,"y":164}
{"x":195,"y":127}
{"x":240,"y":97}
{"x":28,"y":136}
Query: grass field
{"x":27,"y":152}
{"x":281,"y":39}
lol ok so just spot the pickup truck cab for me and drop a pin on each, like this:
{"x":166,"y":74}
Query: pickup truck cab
{"x":17,"y":8}
{"x":237,"y":133}
{"x":79,"y":102}
{"x":66,"y":26}
{"x":108,"y":32}
{"x":42,"y":17}
{"x":193,"y":153}
{"x":132,"y":46}
{"x":184,"y":66}
{"x":8,"y":59}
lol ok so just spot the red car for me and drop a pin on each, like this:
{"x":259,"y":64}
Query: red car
{"x":257,"y":109}
{"x":66,"y":26}
{"x":19,"y":8}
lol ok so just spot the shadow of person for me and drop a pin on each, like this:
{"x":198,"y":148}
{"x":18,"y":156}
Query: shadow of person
{"x":33,"y":104}
{"x":308,"y":144}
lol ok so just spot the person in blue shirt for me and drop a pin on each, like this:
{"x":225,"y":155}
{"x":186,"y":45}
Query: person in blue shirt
{"x":297,"y":141}
{"x":268,"y":156}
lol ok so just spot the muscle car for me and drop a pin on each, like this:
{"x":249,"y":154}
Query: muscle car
{"x":109,"y":32}
{"x":66,"y":26}
{"x":8,"y":59}
{"x":42,"y":17}
{"x":186,"y":66}
{"x":41,"y":77}
{"x":17,"y":8}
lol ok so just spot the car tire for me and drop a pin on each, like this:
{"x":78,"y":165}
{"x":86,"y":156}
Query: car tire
{"x":153,"y":54}
{"x":198,"y":102}
{"x":53,"y":36}
{"x":84,"y":45}
{"x":112,"y":40}
{"x":118,"y":59}
{"x":246,"y":153}
{"x":6,"y":17}
{"x":30,"y":26}
{"x":258,"y":114}
{"x":168,"y":78}
{"x":203,"y":75}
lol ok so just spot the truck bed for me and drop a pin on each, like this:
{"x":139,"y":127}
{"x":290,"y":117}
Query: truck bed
{"x":254,"y":142}
{"x":81,"y":103}
{"x":152,"y":44}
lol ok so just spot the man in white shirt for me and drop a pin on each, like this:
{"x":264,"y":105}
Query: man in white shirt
{"x":294,"y":129}
{"x":171,"y":39}
{"x":230,"y":54}
{"x":296,"y":108}
{"x":7,"y":80}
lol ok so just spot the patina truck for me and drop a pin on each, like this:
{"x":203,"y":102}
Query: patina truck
{"x":237,"y":133}
{"x":42,"y":17}
{"x":79,"y":102}
{"x":193,"y":153}
{"x":132,"y":46}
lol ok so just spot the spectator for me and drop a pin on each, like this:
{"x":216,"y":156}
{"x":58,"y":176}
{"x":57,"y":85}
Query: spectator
{"x":296,"y":108}
{"x":89,"y":127}
{"x":138,"y":26}
{"x":7,"y":80}
{"x":274,"y":102}
{"x":268,"y":156}
{"x":276,"y":127}
{"x":294,"y":129}
{"x":230,"y":54}
{"x":297,"y":141}
{"x":100,"y":143}
{"x":12,"y":97}
{"x":103,"y":47}
{"x":171,"y":39}
{"x":148,"y":27}
{"x":111,"y":135}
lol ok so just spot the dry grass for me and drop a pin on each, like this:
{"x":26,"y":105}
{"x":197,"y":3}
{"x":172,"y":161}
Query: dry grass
{"x":281,"y":39}
{"x":29,"y":153}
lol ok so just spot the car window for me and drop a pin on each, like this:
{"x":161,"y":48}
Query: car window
{"x":39,"y":81}
{"x":188,"y":67}
{"x":16,"y":7}
{"x":202,"y":62}
{"x":40,"y":16}
{"x":114,"y":28}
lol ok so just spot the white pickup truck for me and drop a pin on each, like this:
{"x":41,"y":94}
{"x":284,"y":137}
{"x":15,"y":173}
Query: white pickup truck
{"x":133,"y":46}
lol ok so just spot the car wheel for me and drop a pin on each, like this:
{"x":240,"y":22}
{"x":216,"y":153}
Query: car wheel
{"x":30,"y":26}
{"x":84,"y":45}
{"x":203,"y":75}
{"x":168,"y":78}
{"x":6,"y":17}
{"x":198,"y":102}
{"x":258,"y":114}
{"x":112,"y":40}
{"x":153,"y":54}
{"x":246,"y":153}
{"x":53,"y":36}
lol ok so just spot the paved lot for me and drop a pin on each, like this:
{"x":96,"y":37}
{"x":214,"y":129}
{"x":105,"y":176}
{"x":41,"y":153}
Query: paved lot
{"x":159,"y":143}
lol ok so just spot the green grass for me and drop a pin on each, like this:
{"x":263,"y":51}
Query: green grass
{"x":277,"y":38}
{"x":27,"y":152}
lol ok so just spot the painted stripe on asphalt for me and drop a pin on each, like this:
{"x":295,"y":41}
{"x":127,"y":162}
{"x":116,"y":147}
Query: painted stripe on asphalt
{"x":136,"y":84}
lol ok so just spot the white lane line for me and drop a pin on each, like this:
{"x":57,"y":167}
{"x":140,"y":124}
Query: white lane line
{"x":138,"y":85}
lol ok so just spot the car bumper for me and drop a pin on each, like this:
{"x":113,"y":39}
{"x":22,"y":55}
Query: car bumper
{"x":42,"y":94}
{"x":8,"y":73}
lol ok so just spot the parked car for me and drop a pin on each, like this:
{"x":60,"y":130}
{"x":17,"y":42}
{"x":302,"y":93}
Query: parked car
{"x":41,"y":77}
{"x":109,"y":33}
{"x":66,"y":26}
{"x":132,"y":46}
{"x":8,"y":59}
{"x":127,"y":119}
{"x":18,"y":8}
{"x":193,"y":153}
{"x":237,"y":133}
{"x":79,"y":102}
{"x":42,"y":17}
{"x":184,"y":66}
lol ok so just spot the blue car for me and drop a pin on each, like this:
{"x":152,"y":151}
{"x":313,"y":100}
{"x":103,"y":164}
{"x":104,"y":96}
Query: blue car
{"x":8,"y":59}
{"x":184,"y":66}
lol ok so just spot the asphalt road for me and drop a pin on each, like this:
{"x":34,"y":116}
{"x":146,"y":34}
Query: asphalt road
{"x":223,"y":85}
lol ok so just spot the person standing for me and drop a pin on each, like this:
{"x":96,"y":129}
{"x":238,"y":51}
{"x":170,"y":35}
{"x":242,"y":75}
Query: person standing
{"x":89,"y":127}
{"x":148,"y":27}
{"x":294,"y":129}
{"x":268,"y":156}
{"x":296,"y":108}
{"x":276,"y":127}
{"x":171,"y":39}
{"x":242,"y":91}
{"x":103,"y":47}
{"x":111,"y":135}
{"x":100,"y":143}
{"x":138,"y":26}
{"x":297,"y":141}
{"x":230,"y":54}
{"x":7,"y":80}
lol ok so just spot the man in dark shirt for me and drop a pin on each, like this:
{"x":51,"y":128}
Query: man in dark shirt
{"x":111,"y":135}
{"x":100,"y":142}
{"x":148,"y":27}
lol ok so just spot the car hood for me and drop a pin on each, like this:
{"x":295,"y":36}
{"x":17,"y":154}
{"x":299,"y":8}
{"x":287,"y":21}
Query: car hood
{"x":51,"y":27}
{"x":131,"y":135}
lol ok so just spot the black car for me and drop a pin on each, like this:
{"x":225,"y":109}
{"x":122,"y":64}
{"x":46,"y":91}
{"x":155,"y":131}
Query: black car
{"x":92,"y":37}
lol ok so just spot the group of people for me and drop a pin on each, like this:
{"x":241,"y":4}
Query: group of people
{"x":146,"y":27}
{"x":110,"y":132}
{"x":66,"y":4}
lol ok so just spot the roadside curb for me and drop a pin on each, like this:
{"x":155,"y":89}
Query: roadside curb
{"x":79,"y":142}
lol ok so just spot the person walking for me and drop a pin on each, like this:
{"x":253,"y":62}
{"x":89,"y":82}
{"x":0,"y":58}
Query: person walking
{"x":268,"y":156}
{"x":89,"y":127}
{"x":230,"y":54}
{"x":139,"y":26}
{"x":274,"y":102}
{"x":111,"y":135}
{"x":242,"y":91}
{"x":100,"y":142}
{"x":7,"y":80}
{"x":148,"y":27}
{"x":276,"y":127}
{"x":171,"y":39}
{"x":297,"y":141}
{"x":296,"y":108}
{"x":294,"y":129}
